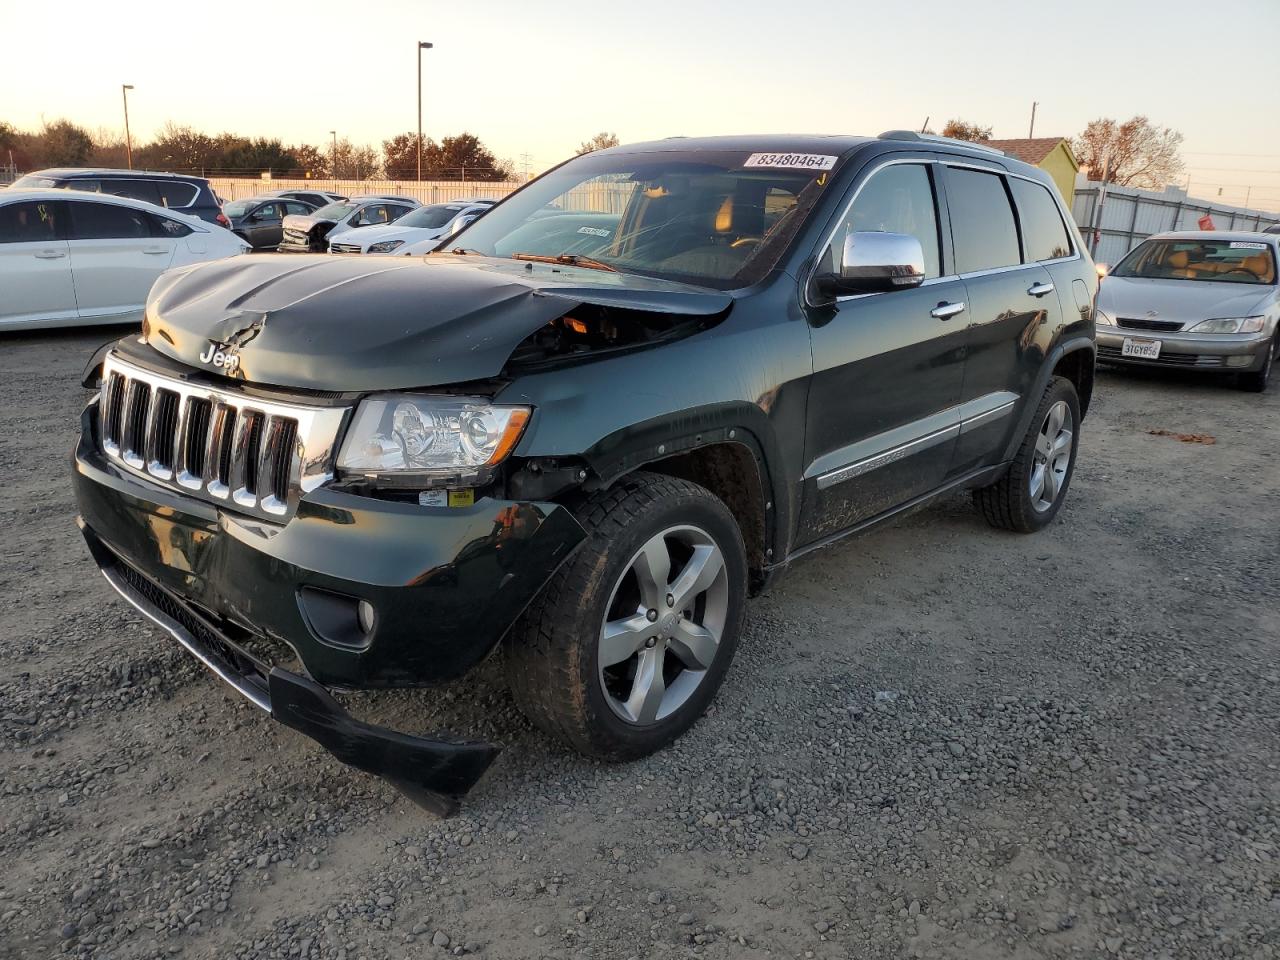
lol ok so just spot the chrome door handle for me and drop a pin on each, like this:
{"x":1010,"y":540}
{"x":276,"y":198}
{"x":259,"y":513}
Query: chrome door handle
{"x":1040,"y":289}
{"x":50,"y":254}
{"x":945,"y":311}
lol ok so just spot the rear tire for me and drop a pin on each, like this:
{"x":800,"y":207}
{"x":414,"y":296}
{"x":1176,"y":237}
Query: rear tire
{"x":1256,"y":382}
{"x":620,"y":654}
{"x":1029,"y":496}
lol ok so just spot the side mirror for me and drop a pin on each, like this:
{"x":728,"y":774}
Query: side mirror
{"x":460,"y":223}
{"x":876,"y":262}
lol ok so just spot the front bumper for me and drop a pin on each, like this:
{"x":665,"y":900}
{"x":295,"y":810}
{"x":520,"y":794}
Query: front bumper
{"x":443,"y":583}
{"x":1216,"y":353}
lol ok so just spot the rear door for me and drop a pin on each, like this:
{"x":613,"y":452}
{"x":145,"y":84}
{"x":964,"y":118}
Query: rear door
{"x":1012,"y":310}
{"x":888,"y":367}
{"x":115,"y":257}
{"x":35,"y":263}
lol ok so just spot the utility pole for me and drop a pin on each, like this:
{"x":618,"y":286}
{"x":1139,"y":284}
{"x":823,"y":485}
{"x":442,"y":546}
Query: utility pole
{"x":128,"y":141}
{"x":1102,"y":199}
{"x":422,"y":45}
{"x":924,"y":126}
{"x":524,"y":160}
{"x":1031,"y":131}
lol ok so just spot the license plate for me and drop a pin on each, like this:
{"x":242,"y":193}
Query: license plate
{"x":1142,"y":349}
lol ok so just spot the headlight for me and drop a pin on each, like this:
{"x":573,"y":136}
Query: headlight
{"x":1229,"y":325}
{"x":443,"y":439}
{"x":1101,"y":318}
{"x":386,"y":246}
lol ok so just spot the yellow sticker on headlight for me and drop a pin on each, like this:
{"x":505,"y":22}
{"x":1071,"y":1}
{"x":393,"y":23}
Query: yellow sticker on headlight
{"x":462,"y":498}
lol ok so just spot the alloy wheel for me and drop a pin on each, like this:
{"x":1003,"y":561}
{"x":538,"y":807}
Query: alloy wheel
{"x":663,"y":624}
{"x":1052,"y":456}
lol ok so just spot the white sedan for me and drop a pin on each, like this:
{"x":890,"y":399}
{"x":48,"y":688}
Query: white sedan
{"x":425,"y":226}
{"x":70,"y":258}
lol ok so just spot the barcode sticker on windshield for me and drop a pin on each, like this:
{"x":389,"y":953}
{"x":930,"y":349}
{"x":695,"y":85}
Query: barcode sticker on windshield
{"x":595,"y":232}
{"x":1247,"y":245}
{"x":795,"y":161}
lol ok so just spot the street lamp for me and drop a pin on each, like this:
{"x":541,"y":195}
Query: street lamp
{"x":334,"y":134}
{"x":128,"y":141}
{"x":422,"y":45}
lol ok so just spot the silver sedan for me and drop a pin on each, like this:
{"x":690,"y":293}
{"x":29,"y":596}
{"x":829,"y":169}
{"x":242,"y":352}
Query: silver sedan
{"x":1203,"y":300}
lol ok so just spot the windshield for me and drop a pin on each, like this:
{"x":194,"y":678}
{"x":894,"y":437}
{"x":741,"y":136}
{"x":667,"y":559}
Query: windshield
{"x":334,"y":211}
{"x":1222,"y":261}
{"x":435,"y":215}
{"x":237,"y":208}
{"x":717,"y":218}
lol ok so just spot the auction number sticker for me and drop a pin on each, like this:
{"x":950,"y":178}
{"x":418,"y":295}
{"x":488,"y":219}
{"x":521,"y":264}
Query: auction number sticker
{"x":595,"y":232}
{"x":792,"y":161}
{"x":1247,"y":245}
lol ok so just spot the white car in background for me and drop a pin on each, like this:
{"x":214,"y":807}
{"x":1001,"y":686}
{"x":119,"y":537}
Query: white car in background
{"x":71,"y":258}
{"x":425,"y":227}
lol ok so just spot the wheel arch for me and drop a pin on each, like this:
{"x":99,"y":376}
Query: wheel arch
{"x":1071,"y":359}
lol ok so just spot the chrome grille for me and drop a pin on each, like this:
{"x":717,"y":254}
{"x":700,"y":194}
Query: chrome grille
{"x":255,"y":456}
{"x":344,"y":248}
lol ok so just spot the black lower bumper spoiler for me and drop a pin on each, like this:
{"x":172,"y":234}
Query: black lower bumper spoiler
{"x":434,"y":773}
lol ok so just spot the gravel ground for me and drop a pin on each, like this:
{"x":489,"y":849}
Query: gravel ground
{"x":937,"y":741}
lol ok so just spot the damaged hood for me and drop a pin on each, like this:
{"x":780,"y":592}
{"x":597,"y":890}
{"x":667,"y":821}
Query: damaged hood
{"x":374,"y":323}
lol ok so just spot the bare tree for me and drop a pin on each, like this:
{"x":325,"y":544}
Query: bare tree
{"x":964,"y":130}
{"x":601,"y":141}
{"x":1135,"y":153}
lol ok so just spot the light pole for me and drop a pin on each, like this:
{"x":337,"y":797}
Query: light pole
{"x":128,"y":141}
{"x":1031,"y":131}
{"x":334,"y":134}
{"x":422,"y":45}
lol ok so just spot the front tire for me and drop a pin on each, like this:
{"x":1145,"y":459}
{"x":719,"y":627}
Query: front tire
{"x":1029,"y":496}
{"x":1256,"y":382}
{"x":627,"y":644}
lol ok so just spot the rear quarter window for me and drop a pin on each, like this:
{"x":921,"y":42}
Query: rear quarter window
{"x":177,"y":194}
{"x":982,"y":224}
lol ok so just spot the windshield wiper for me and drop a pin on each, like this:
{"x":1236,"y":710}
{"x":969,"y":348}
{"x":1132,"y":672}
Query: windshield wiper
{"x":568,"y":259}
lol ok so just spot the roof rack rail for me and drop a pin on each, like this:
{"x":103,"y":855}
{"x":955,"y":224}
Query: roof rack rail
{"x":934,"y":138}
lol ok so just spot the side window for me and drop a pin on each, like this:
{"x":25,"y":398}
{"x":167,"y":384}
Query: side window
{"x":268,"y":211}
{"x":897,"y":199}
{"x":35,"y":221}
{"x":107,"y":221}
{"x":299,"y":208}
{"x":1044,"y":235}
{"x":175,"y":193}
{"x":164,"y":227}
{"x":137,"y":189}
{"x":982,"y":224}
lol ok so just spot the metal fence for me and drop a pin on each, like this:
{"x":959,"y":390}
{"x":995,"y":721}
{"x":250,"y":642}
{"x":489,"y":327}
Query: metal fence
{"x":424,"y":191}
{"x":1129,"y":216}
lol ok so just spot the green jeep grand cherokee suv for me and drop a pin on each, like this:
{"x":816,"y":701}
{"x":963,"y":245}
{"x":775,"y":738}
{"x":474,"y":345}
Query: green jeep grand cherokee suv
{"x":584,"y":431}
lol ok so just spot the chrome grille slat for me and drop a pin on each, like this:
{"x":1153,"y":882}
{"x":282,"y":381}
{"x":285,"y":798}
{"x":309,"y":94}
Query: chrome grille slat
{"x":251,"y":455}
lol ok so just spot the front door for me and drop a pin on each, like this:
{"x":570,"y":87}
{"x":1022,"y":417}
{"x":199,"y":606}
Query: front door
{"x":35,"y":266}
{"x":265,"y":225}
{"x":888,"y":368}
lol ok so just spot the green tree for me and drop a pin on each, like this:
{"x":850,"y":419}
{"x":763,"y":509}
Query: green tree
{"x":400,"y":156}
{"x":179,"y":148}
{"x":601,"y":141}
{"x":63,"y":144}
{"x":462,"y":157}
{"x":963,"y":130}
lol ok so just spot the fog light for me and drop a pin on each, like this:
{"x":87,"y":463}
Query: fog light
{"x":364,"y":613}
{"x":1242,"y":361}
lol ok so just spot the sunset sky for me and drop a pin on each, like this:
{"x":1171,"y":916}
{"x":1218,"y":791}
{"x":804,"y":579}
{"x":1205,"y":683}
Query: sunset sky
{"x":539,"y":77}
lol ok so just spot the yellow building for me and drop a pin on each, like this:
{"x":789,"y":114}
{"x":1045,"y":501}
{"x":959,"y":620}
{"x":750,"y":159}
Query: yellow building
{"x":1051,"y":154}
